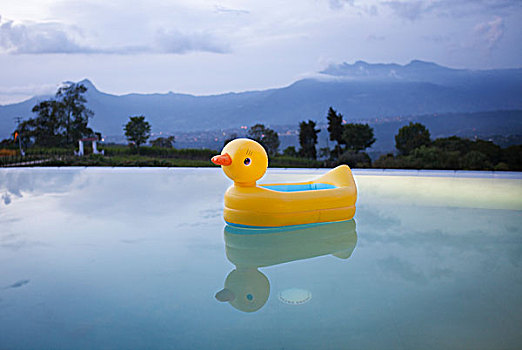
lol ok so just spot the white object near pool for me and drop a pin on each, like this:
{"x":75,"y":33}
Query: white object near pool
{"x":295,"y":296}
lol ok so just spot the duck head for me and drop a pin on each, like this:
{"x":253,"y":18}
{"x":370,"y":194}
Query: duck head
{"x":246,"y":289}
{"x":243,"y":160}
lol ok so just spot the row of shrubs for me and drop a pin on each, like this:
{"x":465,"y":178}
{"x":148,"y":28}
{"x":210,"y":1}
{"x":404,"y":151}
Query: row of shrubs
{"x":478,"y":155}
{"x":447,"y":153}
{"x":27,"y":159}
{"x":122,"y":161}
{"x":51,"y":151}
{"x":160,"y":152}
{"x":294,"y":162}
{"x":450,"y":153}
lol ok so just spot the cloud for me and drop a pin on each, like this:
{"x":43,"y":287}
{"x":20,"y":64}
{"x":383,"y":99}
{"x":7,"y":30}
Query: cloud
{"x":490,"y":32}
{"x":54,"y":38}
{"x":177,"y":42}
{"x":411,"y":10}
{"x":416,"y":9}
{"x":37,"y":38}
{"x":402,"y":268}
{"x":30,"y":90}
{"x":437,"y":38}
{"x":223,"y":9}
{"x":339,"y":4}
{"x":373,"y":37}
{"x":361,"y":8}
{"x":372,"y":10}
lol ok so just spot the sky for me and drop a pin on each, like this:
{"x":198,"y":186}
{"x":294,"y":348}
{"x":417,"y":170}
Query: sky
{"x":207,"y":47}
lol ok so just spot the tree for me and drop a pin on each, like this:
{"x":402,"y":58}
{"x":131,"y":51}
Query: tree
{"x":335,"y":128}
{"x":25,"y":132}
{"x":453,"y":144}
{"x":308,"y":139}
{"x":77,"y":115}
{"x":410,"y":137}
{"x":59,"y":121}
{"x":475,"y":160}
{"x":164,"y":142}
{"x":232,"y":136}
{"x":137,"y":130}
{"x":512,"y":156}
{"x":492,"y":151}
{"x":355,"y":159}
{"x":358,"y":137}
{"x":266,"y":137}
{"x":290,"y":151}
{"x":324,"y":152}
{"x":46,"y":128}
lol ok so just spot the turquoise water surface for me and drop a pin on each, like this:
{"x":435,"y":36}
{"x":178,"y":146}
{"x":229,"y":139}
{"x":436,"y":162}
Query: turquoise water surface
{"x":140,"y":258}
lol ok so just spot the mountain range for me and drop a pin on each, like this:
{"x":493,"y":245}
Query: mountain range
{"x":375,"y":93}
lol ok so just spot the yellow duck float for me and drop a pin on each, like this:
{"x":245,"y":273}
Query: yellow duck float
{"x":329,"y":198}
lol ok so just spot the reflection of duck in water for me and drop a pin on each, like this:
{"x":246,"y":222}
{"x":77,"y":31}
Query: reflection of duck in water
{"x":246,"y":288}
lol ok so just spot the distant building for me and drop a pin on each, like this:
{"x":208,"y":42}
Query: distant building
{"x":94,"y":141}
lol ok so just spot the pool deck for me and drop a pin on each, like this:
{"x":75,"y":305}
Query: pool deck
{"x":356,"y":171}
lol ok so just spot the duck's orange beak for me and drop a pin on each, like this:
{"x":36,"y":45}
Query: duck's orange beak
{"x":223,"y":159}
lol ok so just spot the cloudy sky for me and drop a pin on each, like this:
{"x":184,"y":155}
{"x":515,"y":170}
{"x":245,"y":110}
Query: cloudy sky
{"x":204,"y":47}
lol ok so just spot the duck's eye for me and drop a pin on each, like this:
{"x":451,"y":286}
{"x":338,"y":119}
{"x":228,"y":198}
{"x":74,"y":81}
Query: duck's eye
{"x":247,"y":161}
{"x":250,"y":297}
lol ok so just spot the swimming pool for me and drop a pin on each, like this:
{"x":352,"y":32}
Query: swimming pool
{"x":136,"y":258}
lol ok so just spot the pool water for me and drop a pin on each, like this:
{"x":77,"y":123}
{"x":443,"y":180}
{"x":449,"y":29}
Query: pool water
{"x":140,"y":258}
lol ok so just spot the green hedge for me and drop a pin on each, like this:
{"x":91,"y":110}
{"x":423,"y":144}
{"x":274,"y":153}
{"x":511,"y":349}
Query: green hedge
{"x":449,"y":158}
{"x":437,"y":158}
{"x":292,"y":162}
{"x":161,"y":152}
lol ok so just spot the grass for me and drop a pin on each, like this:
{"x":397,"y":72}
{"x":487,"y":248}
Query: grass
{"x":291,"y":162}
{"x":126,"y":161}
{"x":124,"y":156}
{"x":149,"y":161}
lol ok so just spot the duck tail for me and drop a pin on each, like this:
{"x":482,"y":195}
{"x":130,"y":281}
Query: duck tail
{"x":340,"y":176}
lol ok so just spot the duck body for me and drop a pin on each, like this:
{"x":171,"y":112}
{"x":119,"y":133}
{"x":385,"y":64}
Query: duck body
{"x":329,"y":198}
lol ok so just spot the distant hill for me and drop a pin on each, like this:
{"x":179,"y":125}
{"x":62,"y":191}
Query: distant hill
{"x":420,"y":71}
{"x":502,"y":127}
{"x":360,"y":91}
{"x":485,"y":125}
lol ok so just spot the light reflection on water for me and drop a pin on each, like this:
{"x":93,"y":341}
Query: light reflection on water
{"x":133,"y":258}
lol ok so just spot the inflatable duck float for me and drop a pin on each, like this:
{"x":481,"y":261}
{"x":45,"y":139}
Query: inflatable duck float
{"x":329,"y":198}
